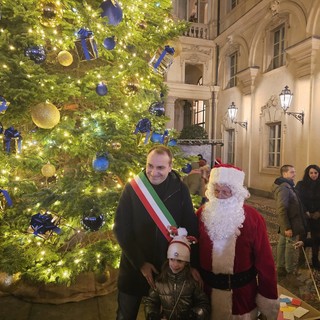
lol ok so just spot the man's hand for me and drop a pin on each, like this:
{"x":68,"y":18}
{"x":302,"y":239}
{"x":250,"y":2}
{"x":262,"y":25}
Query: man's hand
{"x":288,"y":233}
{"x":196,"y":276}
{"x":147,"y":271}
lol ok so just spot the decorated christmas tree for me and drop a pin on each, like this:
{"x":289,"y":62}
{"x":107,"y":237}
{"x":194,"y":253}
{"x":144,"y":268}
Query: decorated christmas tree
{"x":81,"y":98}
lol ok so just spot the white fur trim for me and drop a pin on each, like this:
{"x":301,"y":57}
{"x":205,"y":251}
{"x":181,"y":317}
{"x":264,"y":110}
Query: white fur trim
{"x":223,"y":253}
{"x":268,"y":307}
{"x":227,"y":175}
{"x":221,"y":304}
{"x":221,"y":307}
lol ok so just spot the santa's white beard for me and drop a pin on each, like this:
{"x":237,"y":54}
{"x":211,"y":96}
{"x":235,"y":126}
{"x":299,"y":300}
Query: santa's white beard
{"x":223,"y":217}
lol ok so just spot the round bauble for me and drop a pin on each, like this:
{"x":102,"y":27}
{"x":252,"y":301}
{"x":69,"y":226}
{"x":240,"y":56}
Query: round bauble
{"x":93,"y":221}
{"x":157,"y":137}
{"x":48,"y":170}
{"x":51,"y":13}
{"x":36,"y":54}
{"x":65,"y":58}
{"x":157,"y":109}
{"x":45,"y":115}
{"x":187,"y":168}
{"x":3,"y":104}
{"x":116,"y":145}
{"x":101,"y":89}
{"x":109,"y":43}
{"x":100,"y":163}
{"x":172,"y":142}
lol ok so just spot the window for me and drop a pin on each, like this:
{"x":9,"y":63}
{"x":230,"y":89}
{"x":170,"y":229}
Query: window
{"x":234,"y":3}
{"x":230,"y":146}
{"x":274,"y":145}
{"x":233,"y":61}
{"x":199,"y":114}
{"x":278,"y":48}
{"x":192,"y":10}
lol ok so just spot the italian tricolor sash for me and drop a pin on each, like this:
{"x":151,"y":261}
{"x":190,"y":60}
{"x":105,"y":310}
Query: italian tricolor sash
{"x":153,"y":204}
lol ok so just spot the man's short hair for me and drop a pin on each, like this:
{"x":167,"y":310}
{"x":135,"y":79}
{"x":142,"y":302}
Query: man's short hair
{"x":285,"y":168}
{"x":161,"y":149}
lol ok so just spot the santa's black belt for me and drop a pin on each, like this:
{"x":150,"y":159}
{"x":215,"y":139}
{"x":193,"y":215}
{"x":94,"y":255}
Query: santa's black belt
{"x":228,"y":281}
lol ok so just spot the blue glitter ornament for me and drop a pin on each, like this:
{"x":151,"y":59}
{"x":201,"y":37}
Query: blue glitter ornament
{"x":101,"y":162}
{"x":172,"y":142}
{"x":3,"y":104}
{"x":93,"y":221}
{"x":157,"y":109}
{"x":112,"y":10}
{"x":36,"y":54}
{"x":101,"y":89}
{"x":187,"y":168}
{"x":109,"y":43}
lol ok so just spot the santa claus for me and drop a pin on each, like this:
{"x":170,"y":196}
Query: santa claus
{"x":236,"y":260}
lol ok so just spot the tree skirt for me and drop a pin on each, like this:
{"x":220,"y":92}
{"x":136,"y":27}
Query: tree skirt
{"x":86,"y":286}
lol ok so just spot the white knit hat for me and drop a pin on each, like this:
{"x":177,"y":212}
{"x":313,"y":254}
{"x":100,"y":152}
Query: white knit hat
{"x":179,"y":248}
{"x":227,"y":174}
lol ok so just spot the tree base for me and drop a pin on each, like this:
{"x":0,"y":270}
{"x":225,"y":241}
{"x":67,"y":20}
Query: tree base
{"x":86,"y":286}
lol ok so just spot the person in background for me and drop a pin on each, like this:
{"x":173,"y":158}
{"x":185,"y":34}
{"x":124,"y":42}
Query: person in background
{"x":194,"y":180}
{"x":309,"y":192}
{"x":147,"y":203}
{"x":292,"y":223}
{"x":176,"y":294}
{"x":236,"y":261}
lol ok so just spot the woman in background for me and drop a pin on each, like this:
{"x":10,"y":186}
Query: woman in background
{"x":309,"y":192}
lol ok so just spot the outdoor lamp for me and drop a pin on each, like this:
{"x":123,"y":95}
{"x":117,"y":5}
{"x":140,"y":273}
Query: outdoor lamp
{"x":232,"y":113}
{"x":285,"y":100}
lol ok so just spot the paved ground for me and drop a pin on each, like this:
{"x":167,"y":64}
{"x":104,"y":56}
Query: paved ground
{"x":104,"y":307}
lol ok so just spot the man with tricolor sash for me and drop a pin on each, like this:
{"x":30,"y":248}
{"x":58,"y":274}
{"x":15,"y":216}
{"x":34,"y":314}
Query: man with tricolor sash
{"x":153,"y":201}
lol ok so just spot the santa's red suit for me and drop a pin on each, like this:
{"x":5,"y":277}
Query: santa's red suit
{"x":250,"y":250}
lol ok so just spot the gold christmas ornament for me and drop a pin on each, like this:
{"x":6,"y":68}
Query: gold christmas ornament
{"x":65,"y":58}
{"x":48,"y":170}
{"x":45,"y":115}
{"x":50,"y":13}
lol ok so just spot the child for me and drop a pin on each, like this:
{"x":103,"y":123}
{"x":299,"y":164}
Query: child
{"x":176,"y":294}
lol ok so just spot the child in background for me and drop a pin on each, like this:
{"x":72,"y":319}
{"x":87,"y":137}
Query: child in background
{"x":176,"y":294}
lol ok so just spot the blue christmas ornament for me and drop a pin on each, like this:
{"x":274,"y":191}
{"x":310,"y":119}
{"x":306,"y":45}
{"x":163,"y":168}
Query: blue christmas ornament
{"x":187,"y":168}
{"x":101,"y":89}
{"x":3,"y":104}
{"x":159,"y":137}
{"x":172,"y":142}
{"x":157,"y":109}
{"x":42,"y":223}
{"x":101,"y":162}
{"x":112,"y":10}
{"x":109,"y":43}
{"x":36,"y":54}
{"x":93,"y":221}
{"x":144,"y":126}
{"x":162,"y":60}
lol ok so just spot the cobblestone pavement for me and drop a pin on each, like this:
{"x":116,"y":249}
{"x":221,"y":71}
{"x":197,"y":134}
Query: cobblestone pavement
{"x":307,"y":284}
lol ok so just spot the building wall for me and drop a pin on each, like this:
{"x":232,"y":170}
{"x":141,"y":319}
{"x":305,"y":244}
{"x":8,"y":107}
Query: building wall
{"x":247,"y":30}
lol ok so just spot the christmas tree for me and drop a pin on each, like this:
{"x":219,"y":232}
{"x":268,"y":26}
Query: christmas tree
{"x":80,"y":96}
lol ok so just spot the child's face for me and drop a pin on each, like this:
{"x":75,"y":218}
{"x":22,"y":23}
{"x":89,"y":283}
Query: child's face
{"x":176,"y":265}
